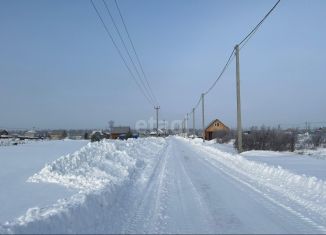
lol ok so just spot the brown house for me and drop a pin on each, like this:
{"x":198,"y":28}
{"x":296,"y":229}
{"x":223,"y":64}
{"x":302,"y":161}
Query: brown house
{"x":216,"y":129}
{"x":119,"y":132}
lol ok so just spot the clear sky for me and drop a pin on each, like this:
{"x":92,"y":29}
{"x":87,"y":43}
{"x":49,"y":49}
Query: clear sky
{"x":58,"y":69}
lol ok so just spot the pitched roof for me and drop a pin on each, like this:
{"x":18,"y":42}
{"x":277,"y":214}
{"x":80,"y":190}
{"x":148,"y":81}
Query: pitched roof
{"x":120,"y":130}
{"x":215,"y":120}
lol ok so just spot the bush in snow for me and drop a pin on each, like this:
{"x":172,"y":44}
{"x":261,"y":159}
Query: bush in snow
{"x":268,"y":139}
{"x":225,"y":136}
{"x":312,"y":139}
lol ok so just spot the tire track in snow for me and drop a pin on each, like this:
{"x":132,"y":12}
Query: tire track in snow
{"x":185,"y":197}
{"x":148,"y":213}
{"x":209,"y":155}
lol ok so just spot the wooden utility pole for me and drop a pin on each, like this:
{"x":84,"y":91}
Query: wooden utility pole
{"x":157,"y":108}
{"x":187,"y":129}
{"x":193,"y":123}
{"x":203,"y":115}
{"x":239,"y":126}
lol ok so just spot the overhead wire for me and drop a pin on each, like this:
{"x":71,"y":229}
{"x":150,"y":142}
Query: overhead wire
{"x":254,"y":30}
{"x":241,"y":44}
{"x":134,"y":50}
{"x":127,"y":51}
{"x":222,"y":72}
{"x":120,"y":54}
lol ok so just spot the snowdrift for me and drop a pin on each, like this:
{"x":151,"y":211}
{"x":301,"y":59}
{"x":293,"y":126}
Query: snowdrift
{"x":309,"y":193}
{"x":101,"y":171}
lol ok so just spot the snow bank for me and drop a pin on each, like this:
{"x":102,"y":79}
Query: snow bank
{"x":268,"y":153}
{"x":100,"y":171}
{"x":308,"y":192}
{"x":319,"y":153}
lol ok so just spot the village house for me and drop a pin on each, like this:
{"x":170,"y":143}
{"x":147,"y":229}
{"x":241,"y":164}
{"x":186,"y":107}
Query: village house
{"x":57,"y":134}
{"x":120,"y":132}
{"x":31,"y":134}
{"x":216,"y":129}
{"x":4,"y":133}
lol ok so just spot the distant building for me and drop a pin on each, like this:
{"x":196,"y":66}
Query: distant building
{"x":216,"y":129}
{"x":154,"y":133}
{"x":76,"y":134}
{"x":3,"y":132}
{"x":97,"y":136}
{"x":117,"y":132}
{"x":31,"y":134}
{"x":57,"y":134}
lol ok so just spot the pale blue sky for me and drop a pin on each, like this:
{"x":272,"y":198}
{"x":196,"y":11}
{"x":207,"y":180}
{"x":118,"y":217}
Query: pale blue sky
{"x":58,"y":69}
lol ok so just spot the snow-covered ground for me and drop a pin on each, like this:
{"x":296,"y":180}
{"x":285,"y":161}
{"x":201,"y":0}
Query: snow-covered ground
{"x":18,"y":163}
{"x":297,"y":163}
{"x":175,"y":185}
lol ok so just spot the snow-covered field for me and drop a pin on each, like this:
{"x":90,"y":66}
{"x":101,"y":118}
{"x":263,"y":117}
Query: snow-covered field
{"x":308,"y":165}
{"x":18,"y":163}
{"x":157,"y":185}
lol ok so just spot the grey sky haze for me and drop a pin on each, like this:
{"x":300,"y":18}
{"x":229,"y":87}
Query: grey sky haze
{"x":58,"y":69}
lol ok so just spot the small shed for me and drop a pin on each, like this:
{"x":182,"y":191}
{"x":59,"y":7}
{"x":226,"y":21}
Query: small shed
{"x":119,"y":131}
{"x":216,"y":129}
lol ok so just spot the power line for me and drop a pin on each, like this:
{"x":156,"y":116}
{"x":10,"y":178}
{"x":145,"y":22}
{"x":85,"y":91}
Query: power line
{"x":242,"y":43}
{"x":254,"y":30}
{"x":196,"y":106}
{"x":135,"y":52}
{"x":223,"y":70}
{"x":127,"y":51}
{"x":119,"y":52}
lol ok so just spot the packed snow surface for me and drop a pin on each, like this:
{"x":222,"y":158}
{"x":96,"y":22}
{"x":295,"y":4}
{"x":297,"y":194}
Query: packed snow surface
{"x":173,"y":185}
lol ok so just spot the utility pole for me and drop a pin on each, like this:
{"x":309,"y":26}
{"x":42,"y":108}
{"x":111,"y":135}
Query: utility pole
{"x":187,"y":129}
{"x":193,"y":123}
{"x":203,"y":115}
{"x":183,"y":128}
{"x":157,"y":108}
{"x":239,"y":126}
{"x":164,"y":127}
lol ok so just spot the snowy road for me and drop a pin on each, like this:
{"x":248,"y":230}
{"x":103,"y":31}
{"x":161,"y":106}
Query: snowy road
{"x":176,"y":185}
{"x":189,"y":194}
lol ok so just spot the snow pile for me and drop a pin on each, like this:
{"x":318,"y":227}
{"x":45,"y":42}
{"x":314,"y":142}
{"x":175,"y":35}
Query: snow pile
{"x":100,"y":171}
{"x":308,"y":192}
{"x":91,"y":168}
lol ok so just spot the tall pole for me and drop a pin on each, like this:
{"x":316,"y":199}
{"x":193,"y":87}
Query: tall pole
{"x":193,"y":123}
{"x":239,"y":126}
{"x":203,"y":115}
{"x":157,"y":108}
{"x":187,"y":129}
{"x":183,"y":128}
{"x":164,"y":127}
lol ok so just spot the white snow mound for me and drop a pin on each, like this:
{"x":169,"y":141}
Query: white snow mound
{"x":100,"y":171}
